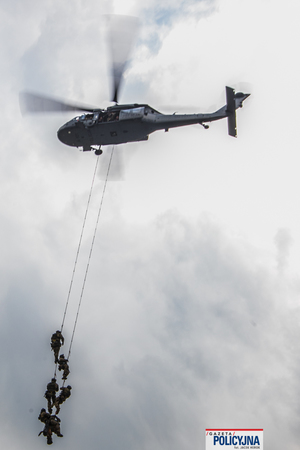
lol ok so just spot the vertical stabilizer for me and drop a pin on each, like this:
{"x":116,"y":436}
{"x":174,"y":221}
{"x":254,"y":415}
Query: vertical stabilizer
{"x":230,"y":109}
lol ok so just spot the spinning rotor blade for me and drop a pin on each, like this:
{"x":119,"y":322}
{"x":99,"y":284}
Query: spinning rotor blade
{"x":33,"y":103}
{"x":122,"y":31}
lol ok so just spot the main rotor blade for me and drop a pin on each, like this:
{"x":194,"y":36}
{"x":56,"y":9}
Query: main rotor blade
{"x":122,"y":31}
{"x":33,"y":103}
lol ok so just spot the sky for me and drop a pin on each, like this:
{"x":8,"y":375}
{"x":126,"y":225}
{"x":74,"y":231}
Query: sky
{"x":190,"y":313}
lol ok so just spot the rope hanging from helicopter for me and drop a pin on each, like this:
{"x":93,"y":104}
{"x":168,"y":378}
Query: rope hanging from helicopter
{"x":91,"y":251}
{"x":79,"y":245}
{"x":89,"y":257}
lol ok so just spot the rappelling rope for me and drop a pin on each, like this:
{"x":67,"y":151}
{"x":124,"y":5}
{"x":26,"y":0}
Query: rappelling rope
{"x":79,"y":245}
{"x":78,"y":251}
{"x":91,"y":250}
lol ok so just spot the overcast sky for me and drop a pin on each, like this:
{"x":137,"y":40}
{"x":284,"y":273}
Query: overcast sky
{"x":190,"y":315}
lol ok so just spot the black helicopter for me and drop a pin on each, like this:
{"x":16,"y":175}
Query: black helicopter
{"x":120,"y":124}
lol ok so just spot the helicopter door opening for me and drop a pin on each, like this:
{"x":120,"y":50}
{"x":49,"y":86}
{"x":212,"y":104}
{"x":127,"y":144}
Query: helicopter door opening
{"x":96,"y":117}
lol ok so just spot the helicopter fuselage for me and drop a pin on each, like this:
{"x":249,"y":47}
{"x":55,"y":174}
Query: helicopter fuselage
{"x":125,"y":123}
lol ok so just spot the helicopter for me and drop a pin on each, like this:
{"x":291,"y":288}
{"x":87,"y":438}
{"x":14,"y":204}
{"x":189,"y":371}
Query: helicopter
{"x":123,"y":123}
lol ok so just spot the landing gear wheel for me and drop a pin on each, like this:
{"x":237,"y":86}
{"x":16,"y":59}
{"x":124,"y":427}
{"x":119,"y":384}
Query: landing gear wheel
{"x":98,"y":152}
{"x":205,"y":126}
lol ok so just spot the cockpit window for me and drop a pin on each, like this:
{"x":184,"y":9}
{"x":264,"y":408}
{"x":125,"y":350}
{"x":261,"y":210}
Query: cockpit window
{"x":109,"y":116}
{"x":132,"y":113}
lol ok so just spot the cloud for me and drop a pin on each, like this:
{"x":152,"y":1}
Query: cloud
{"x":283,"y":241}
{"x":165,"y":344}
{"x":181,"y":344}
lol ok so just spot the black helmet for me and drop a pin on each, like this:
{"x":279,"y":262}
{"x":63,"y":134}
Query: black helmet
{"x":69,"y":387}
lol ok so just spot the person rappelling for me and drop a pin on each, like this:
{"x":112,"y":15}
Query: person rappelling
{"x":47,"y":432}
{"x":65,"y":393}
{"x":50,"y":393}
{"x":55,"y":425}
{"x":57,"y":340}
{"x":44,"y":416}
{"x":52,"y":425}
{"x":63,"y":365}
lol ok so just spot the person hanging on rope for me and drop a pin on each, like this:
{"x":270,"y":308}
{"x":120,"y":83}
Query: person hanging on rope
{"x":47,"y":430}
{"x":63,"y":365}
{"x":50,"y":393}
{"x":52,"y":425}
{"x":65,"y":393}
{"x":55,"y":425}
{"x":44,"y":416}
{"x":57,"y":340}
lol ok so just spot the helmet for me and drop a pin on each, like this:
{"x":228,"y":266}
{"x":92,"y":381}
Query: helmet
{"x":69,"y":387}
